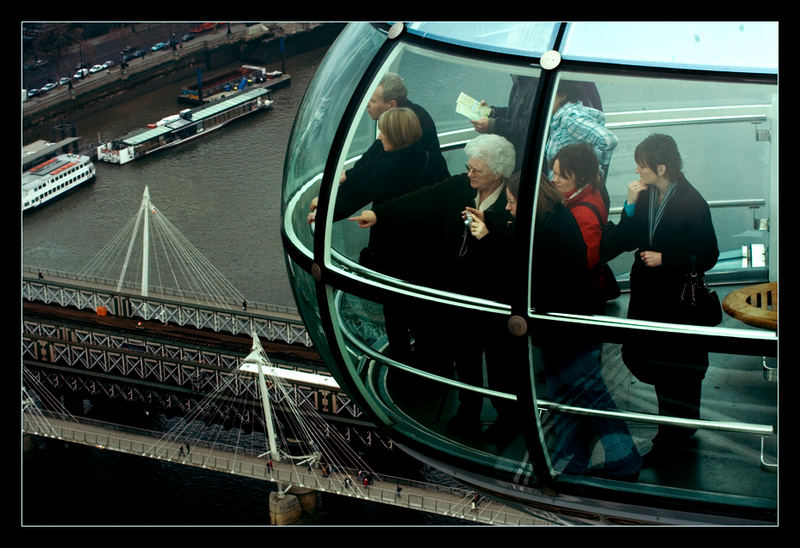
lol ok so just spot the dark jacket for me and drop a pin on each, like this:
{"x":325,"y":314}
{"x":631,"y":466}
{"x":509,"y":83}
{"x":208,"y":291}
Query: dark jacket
{"x":560,"y":276}
{"x":685,"y":236}
{"x":394,"y":174}
{"x":513,"y":121}
{"x":453,"y":259}
{"x":430,"y":142}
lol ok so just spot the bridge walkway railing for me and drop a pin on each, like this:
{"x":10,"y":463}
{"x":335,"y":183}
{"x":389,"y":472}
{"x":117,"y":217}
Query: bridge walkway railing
{"x":272,"y":322}
{"x":437,"y":499}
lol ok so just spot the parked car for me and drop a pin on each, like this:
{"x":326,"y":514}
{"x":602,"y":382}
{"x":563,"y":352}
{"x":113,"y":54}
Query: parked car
{"x":33,"y":92}
{"x":96,"y":68}
{"x":63,"y":81}
{"x":80,"y":74}
{"x":159,"y":46}
{"x":136,"y":54}
{"x":108,"y":64}
{"x":48,"y":86}
{"x":187,"y":37}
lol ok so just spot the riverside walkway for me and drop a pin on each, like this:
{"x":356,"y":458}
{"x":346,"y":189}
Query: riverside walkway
{"x":435,"y":499}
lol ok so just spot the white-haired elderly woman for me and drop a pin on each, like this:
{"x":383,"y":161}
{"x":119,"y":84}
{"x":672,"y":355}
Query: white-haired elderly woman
{"x":438,"y":218}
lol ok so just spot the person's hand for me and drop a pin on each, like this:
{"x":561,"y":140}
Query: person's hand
{"x":481,"y":125}
{"x":478,"y":228}
{"x":476,"y":213}
{"x":312,"y":209}
{"x":634,"y":188}
{"x":651,"y":258}
{"x":366,"y":219}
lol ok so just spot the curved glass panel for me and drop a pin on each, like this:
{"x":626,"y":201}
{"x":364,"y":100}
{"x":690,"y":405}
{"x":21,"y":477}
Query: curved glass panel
{"x":599,"y":421}
{"x":738,"y":180}
{"x":418,"y":406}
{"x":317,"y":120}
{"x":420,"y":223}
{"x":659,"y":414}
{"x":736,"y":46}
{"x":521,"y":38}
{"x":409,"y":366}
{"x":574,"y":388}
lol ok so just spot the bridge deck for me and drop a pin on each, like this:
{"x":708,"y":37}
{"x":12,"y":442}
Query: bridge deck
{"x":414,"y":495}
{"x":259,"y":309}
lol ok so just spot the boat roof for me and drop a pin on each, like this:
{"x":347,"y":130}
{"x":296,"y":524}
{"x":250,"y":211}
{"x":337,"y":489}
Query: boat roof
{"x":40,"y":150}
{"x":33,"y":176}
{"x":194,"y":115}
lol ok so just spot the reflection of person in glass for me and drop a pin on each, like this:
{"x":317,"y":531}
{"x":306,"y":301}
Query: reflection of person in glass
{"x":669,"y":224}
{"x":560,"y":283}
{"x":460,"y":262}
{"x":405,"y":166}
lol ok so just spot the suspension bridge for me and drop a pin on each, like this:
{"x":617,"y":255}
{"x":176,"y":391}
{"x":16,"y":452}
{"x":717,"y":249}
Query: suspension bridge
{"x":297,"y":449}
{"x":299,"y":453}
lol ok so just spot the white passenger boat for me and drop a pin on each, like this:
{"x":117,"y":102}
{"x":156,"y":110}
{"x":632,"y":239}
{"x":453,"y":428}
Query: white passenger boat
{"x":55,"y":177}
{"x":184,"y":126}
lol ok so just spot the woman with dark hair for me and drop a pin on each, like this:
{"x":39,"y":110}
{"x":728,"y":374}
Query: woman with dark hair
{"x":669,"y":224}
{"x":560,"y":283}
{"x":576,"y":175}
{"x":577,"y":117}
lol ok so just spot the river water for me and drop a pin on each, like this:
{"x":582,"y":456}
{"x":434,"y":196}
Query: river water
{"x":222,"y":192}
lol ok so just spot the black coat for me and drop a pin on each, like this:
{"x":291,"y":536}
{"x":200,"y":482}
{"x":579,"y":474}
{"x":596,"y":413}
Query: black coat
{"x":393,"y":174}
{"x":429,"y":140}
{"x":453,"y":259}
{"x":560,"y":275}
{"x":685,"y":236}
{"x":513,"y":121}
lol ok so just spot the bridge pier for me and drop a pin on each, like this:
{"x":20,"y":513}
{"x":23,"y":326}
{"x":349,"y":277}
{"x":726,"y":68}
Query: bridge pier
{"x":288,"y":508}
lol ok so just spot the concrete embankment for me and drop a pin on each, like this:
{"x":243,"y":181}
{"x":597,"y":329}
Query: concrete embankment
{"x":265,"y":44}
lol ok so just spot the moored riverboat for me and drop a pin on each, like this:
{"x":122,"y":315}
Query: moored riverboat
{"x":184,"y":126}
{"x":219,"y":86}
{"x":55,"y":177}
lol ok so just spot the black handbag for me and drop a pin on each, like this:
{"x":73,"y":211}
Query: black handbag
{"x":697,"y":304}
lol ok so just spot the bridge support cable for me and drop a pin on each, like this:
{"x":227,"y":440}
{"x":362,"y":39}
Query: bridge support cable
{"x":292,"y":433}
{"x":164,"y":257}
{"x":38,"y":399}
{"x":322,"y":449}
{"x":224,"y":426}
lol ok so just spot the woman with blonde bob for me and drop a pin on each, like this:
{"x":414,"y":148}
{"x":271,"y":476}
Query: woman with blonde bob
{"x":399,"y":128}
{"x":406,"y":166}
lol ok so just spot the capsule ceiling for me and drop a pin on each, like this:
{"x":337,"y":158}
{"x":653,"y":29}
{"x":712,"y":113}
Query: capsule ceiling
{"x":722,"y":46}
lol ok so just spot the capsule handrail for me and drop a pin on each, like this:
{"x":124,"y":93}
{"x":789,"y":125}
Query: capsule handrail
{"x":762,"y":430}
{"x":752,"y":203}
